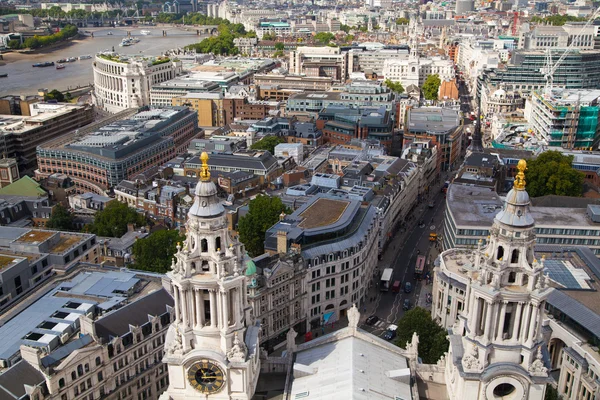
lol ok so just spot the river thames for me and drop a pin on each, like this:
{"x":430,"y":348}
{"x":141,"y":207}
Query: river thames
{"x":23,"y":79}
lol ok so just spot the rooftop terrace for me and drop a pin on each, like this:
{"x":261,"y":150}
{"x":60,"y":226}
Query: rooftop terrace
{"x":323,"y":212}
{"x":34,"y":236}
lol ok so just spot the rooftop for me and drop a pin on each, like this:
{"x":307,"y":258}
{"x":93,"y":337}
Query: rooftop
{"x":323,"y":212}
{"x":24,"y":187}
{"x":35,"y":236}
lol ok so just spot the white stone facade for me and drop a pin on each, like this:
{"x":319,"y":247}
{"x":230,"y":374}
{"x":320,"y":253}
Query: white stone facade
{"x":212,"y":346}
{"x":122,"y":83}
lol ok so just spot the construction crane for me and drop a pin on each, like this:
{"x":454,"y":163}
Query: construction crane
{"x":549,"y":69}
{"x":515,"y":25}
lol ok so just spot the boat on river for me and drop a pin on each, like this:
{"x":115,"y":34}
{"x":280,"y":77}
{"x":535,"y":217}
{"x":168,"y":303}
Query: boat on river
{"x":4,"y":75}
{"x":44,"y":64}
{"x":109,"y":33}
{"x":60,"y":66}
{"x":62,"y":61}
{"x":85,"y":57}
{"x":145,"y":32}
{"x":71,"y":59}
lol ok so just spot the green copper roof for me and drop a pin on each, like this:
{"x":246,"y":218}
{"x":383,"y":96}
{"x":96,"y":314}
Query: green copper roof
{"x":24,"y":187}
{"x":250,"y":268}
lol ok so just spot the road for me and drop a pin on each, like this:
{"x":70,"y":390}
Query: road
{"x":388,"y":305}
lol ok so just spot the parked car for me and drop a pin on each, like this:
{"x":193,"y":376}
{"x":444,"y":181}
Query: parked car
{"x":372,"y":320}
{"x":406,"y":306}
{"x":407,"y":287}
{"x":390,"y":333}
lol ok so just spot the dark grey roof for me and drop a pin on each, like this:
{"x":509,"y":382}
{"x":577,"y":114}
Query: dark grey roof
{"x":13,"y":381}
{"x":562,"y":201}
{"x":263,"y":162}
{"x":117,"y":323}
{"x":64,"y":351}
{"x":575,"y":310}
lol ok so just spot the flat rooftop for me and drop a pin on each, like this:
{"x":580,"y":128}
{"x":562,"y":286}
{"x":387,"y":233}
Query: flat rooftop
{"x":8,"y":261}
{"x":472,"y":205}
{"x":34,"y":236}
{"x":323,"y":212}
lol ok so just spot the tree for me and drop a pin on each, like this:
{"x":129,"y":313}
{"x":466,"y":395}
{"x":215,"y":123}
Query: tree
{"x":155,"y":252}
{"x":402,"y":21}
{"x":432,"y":337}
{"x":279,"y":46}
{"x":551,"y":393}
{"x":431,"y":87}
{"x":55,"y":95}
{"x":324,"y":37}
{"x":394,"y":86}
{"x":14,"y":44}
{"x":60,"y":219}
{"x":345,"y":28}
{"x":552,"y":173}
{"x":268,"y":143}
{"x":113,"y":220}
{"x":263,"y":213}
{"x":269,"y":36}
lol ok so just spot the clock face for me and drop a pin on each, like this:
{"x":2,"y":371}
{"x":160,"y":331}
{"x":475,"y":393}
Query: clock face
{"x":206,"y":377}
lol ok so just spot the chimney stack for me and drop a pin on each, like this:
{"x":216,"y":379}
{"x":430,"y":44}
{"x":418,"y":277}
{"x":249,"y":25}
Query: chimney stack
{"x":282,"y":242}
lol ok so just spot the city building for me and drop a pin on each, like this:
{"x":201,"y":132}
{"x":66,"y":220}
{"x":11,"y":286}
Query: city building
{"x":442,"y":125}
{"x":544,"y":37}
{"x":122,"y":82}
{"x":499,"y":101}
{"x":100,"y":156}
{"x":162,"y":94}
{"x":565,"y":118}
{"x":9,"y":171}
{"x":100,"y":334}
{"x":46,"y":121}
{"x":213,"y":332}
{"x":277,"y":292}
{"x":320,"y":62}
{"x":496,"y":345}
{"x":30,"y":256}
{"x":88,"y":203}
{"x":339,"y":272}
{"x":208,"y":106}
{"x":118,"y":251}
{"x":470,"y":210}
{"x":272,"y":82}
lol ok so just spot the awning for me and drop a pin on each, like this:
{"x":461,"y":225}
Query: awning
{"x":329,"y":318}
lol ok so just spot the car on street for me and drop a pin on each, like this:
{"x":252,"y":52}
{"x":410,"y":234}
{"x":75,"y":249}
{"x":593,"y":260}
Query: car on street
{"x":390,"y":333}
{"x":407,"y":287}
{"x":431,"y":204}
{"x":406,"y":306}
{"x":372,"y":320}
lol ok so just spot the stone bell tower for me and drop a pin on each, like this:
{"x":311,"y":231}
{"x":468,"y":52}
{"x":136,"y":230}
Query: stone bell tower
{"x":496,"y":347}
{"x":211,"y":348}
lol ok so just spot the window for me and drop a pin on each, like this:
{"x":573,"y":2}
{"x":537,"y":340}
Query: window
{"x":61,"y":383}
{"x":98,"y":361}
{"x":100,"y":377}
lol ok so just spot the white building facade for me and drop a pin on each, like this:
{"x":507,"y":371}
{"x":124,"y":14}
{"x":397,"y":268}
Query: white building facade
{"x":212,"y":346}
{"x":121,"y":83}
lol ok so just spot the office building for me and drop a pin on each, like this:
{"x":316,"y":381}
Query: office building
{"x":320,"y":62}
{"x":122,"y":82}
{"x":565,"y":118}
{"x":46,"y":121}
{"x":100,"y":156}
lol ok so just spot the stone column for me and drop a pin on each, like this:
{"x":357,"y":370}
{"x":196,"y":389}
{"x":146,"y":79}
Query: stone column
{"x":525,"y":322}
{"x":533,"y":323}
{"x":502,"y":320}
{"x":213,"y":308}
{"x":176,"y":297}
{"x":184,"y":308}
{"x":201,"y":311}
{"x":236,"y":305}
{"x":489,"y":307}
{"x":517,"y":321}
{"x":474,"y":320}
{"x":225,"y":307}
{"x":197,"y":306}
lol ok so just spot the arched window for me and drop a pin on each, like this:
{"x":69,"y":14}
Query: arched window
{"x":79,"y":370}
{"x":500,"y":253}
{"x":205,"y":266}
{"x":413,"y":69}
{"x":525,"y":279}
{"x":87,"y":367}
{"x":73,"y":375}
{"x":218,"y":243}
{"x":512,"y":277}
{"x":98,"y":361}
{"x":193,"y":266}
{"x":316,"y":261}
{"x":204,"y":245}
{"x":156,"y":327}
{"x":61,"y":383}
{"x":515,"y":256}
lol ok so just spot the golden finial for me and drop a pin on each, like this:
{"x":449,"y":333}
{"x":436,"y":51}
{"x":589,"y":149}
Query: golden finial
{"x":204,"y":173}
{"x":520,"y":178}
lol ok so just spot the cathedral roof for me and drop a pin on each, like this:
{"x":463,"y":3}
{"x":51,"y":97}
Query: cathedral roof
{"x":516,"y":206}
{"x":206,"y":203}
{"x":250,"y":268}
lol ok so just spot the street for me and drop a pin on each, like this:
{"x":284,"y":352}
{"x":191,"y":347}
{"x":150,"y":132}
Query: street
{"x":401,"y":255}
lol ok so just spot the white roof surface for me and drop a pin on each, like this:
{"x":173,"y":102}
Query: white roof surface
{"x":355,"y":367}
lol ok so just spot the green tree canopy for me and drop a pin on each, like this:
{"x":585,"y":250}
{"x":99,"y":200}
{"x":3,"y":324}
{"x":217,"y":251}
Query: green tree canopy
{"x":60,"y":219}
{"x":402,"y":21}
{"x":345,"y":28}
{"x":324,"y":37}
{"x":113,"y":220}
{"x":432,"y":337}
{"x":263,"y":213}
{"x":268,"y":143}
{"x":557,"y":20}
{"x":431,"y":87}
{"x":269,"y":36}
{"x":155,"y":252}
{"x":552,"y":173}
{"x":54,"y":94}
{"x":394,"y":86}
{"x":279,"y":46}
